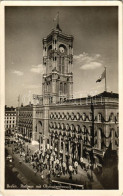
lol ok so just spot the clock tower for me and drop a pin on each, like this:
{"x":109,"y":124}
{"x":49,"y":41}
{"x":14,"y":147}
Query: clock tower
{"x":57,"y":82}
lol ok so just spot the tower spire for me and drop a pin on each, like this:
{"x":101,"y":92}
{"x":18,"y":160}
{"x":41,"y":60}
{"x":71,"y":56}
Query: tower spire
{"x":56,"y":22}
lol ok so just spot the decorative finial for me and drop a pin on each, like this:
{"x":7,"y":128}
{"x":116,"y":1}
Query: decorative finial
{"x":56,"y":22}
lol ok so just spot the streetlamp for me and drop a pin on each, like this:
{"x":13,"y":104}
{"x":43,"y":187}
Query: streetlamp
{"x":40,"y":136}
{"x":92,"y":138}
{"x":91,"y":155}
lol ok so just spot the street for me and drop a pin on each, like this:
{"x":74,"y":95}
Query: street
{"x":31,"y":178}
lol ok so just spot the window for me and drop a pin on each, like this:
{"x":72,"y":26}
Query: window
{"x":84,"y":116}
{"x":60,"y":68}
{"x":58,"y":125}
{"x":90,"y":116}
{"x":72,"y":127}
{"x":67,"y":127}
{"x":67,"y":116}
{"x":62,"y":126}
{"x":61,"y":64}
{"x":72,"y":116}
{"x":65,"y":88}
{"x":61,"y":88}
{"x":58,"y":115}
{"x":78,"y":129}
{"x":99,"y":117}
{"x":112,"y":117}
{"x":78,"y":116}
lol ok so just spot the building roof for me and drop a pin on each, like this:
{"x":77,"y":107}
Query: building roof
{"x":100,"y":95}
{"x":10,"y":109}
{"x":107,"y":94}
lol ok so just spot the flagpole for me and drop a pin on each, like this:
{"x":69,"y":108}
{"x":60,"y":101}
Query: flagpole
{"x":105,"y":80}
{"x":58,"y":19}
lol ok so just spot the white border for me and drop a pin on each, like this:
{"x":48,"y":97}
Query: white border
{"x":2,"y":98}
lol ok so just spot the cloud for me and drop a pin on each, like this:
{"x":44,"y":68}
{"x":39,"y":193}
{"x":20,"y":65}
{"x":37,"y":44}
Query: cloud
{"x":33,"y":86}
{"x":19,"y":73}
{"x":38,"y":69}
{"x":92,"y":65}
{"x":87,"y":62}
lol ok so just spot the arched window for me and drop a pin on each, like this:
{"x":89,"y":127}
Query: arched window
{"x":55,"y":126}
{"x":51,"y":115}
{"x":58,"y":126}
{"x":65,"y":88}
{"x":84,"y":116}
{"x":99,"y":117}
{"x":55,"y":115}
{"x":63,"y":115}
{"x":59,"y":115}
{"x":90,"y":116}
{"x":72,"y":116}
{"x":62,"y":126}
{"x":78,"y":129}
{"x":61,"y":87}
{"x":62,"y":63}
{"x":67,"y":116}
{"x":72,"y":127}
{"x":111,"y":117}
{"x":78,"y":116}
{"x":67,"y":127}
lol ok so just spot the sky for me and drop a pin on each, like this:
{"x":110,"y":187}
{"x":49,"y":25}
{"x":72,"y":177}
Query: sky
{"x":95,"y":31}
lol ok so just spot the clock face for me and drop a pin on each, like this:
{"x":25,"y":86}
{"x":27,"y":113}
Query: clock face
{"x":61,"y":49}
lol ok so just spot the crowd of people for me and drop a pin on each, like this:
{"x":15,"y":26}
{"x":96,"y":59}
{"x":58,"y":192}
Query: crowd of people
{"x":48,"y":163}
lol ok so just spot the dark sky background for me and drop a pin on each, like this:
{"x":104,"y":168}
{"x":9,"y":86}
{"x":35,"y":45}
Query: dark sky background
{"x":95,"y":31}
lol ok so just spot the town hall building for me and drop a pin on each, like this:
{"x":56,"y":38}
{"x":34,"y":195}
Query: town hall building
{"x":73,"y":128}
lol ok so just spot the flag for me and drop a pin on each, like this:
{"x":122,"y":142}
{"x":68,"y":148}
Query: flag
{"x":103,"y":75}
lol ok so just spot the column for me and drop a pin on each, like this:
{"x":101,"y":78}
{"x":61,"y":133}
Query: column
{"x":76,"y":152}
{"x":64,"y":156}
{"x":81,"y":148}
{"x":59,"y":144}
{"x":43,"y":144}
{"x":69,"y":153}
